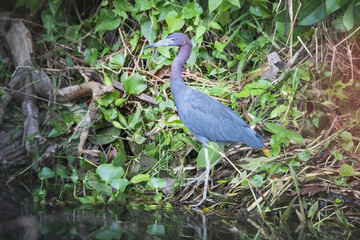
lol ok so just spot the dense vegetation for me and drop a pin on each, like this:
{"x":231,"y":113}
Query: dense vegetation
{"x":308,"y":109}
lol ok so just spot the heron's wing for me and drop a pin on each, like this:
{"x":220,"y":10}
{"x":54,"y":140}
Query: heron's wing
{"x":209,"y":119}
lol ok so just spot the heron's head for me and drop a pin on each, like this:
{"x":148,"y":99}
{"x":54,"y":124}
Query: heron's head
{"x":175,"y":39}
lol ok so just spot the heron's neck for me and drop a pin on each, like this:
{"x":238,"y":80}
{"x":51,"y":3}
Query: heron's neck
{"x":178,"y":63}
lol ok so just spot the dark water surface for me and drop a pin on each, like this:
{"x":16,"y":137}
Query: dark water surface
{"x":20,"y":219}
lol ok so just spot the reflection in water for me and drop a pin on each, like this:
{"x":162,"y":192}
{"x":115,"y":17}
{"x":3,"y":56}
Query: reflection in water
{"x":19,"y":219}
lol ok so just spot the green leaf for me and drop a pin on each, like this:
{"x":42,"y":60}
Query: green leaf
{"x":155,"y":229}
{"x":74,"y":176}
{"x":105,"y":136}
{"x":260,"y":11}
{"x":349,"y":16}
{"x":107,"y":21}
{"x":213,"y":150}
{"x":278,"y":111}
{"x":305,"y":155}
{"x":90,"y":55}
{"x":215,"y":25}
{"x":156,"y":182}
{"x":144,"y":5}
{"x":148,"y":30}
{"x":45,"y":173}
{"x":107,"y":80}
{"x":257,"y":180}
{"x":200,"y":32}
{"x":48,"y":20}
{"x":234,"y":2}
{"x":120,"y":184}
{"x":191,"y":10}
{"x":277,"y":129}
{"x":54,"y":6}
{"x":337,"y":154}
{"x":346,"y":136}
{"x":253,"y":164}
{"x":346,"y":171}
{"x":314,"y":11}
{"x":214,"y":4}
{"x":140,"y":178}
{"x":109,"y":114}
{"x":333,"y":5}
{"x":118,"y":59}
{"x":313,"y":209}
{"x":107,"y":172}
{"x":174,"y":21}
{"x":135,"y":84}
{"x":108,"y":98}
{"x":135,"y":118}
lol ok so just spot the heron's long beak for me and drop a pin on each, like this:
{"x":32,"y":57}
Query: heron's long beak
{"x":164,"y":42}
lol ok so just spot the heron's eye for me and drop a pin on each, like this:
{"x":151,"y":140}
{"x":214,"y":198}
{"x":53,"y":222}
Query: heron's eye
{"x":173,"y":39}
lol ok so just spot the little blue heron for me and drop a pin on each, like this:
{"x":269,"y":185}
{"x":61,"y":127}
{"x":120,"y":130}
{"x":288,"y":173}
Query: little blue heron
{"x":206,"y":118}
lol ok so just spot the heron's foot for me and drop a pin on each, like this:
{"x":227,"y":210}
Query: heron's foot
{"x":199,"y":179}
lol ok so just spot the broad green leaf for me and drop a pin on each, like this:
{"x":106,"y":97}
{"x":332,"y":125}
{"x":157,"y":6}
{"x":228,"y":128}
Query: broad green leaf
{"x":347,"y":170}
{"x":234,"y":2}
{"x":54,"y":6}
{"x":214,"y":4}
{"x":253,"y":164}
{"x":155,"y":230}
{"x":135,"y":84}
{"x":105,"y":136}
{"x":338,"y":24}
{"x":135,"y":118}
{"x":200,"y":31}
{"x":257,"y":180}
{"x":337,"y":154}
{"x":219,"y":46}
{"x":144,"y":5}
{"x":277,"y":129}
{"x":349,"y":16}
{"x":107,"y":21}
{"x":90,"y":55}
{"x":125,"y":5}
{"x":174,"y":21}
{"x":45,"y":173}
{"x":260,"y":11}
{"x":140,"y":178}
{"x":87,"y":199}
{"x":118,"y":59}
{"x":109,"y":114}
{"x":215,"y":25}
{"x":346,"y":136}
{"x":108,"y":98}
{"x":348,"y":145}
{"x":305,"y":155}
{"x":155,"y":182}
{"x":48,"y":20}
{"x":213,"y":150}
{"x":191,"y":10}
{"x":120,"y":184}
{"x":333,"y":5}
{"x":148,"y":30}
{"x":314,"y":11}
{"x":107,"y":172}
{"x":107,"y":80}
{"x":278,"y":111}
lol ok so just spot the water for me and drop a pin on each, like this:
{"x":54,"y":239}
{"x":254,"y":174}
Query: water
{"x":20,"y":219}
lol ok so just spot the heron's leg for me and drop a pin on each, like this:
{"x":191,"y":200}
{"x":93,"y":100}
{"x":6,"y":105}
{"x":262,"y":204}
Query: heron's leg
{"x":207,"y":172}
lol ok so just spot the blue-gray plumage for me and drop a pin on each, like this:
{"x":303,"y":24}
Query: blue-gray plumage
{"x":206,"y":118}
